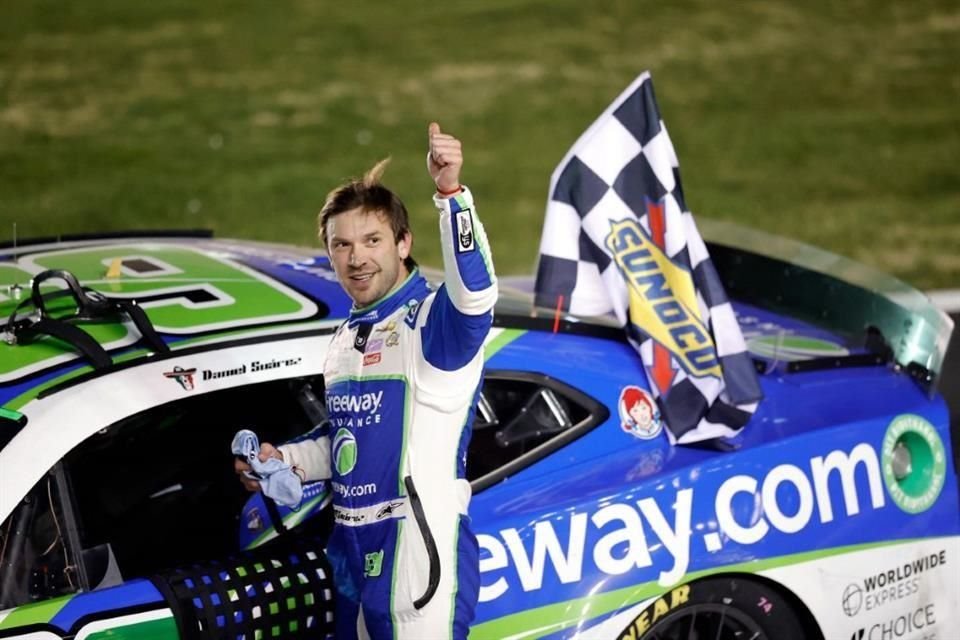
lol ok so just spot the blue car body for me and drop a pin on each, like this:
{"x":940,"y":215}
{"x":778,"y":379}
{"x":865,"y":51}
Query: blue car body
{"x":839,"y":501}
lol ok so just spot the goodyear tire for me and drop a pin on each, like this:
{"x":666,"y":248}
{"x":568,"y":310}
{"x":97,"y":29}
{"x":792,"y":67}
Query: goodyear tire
{"x":728,"y":608}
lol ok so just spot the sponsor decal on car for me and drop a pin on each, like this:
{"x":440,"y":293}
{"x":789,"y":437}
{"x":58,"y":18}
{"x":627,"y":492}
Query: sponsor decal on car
{"x":620,"y":536}
{"x":639,"y":414}
{"x":889,"y":586}
{"x":184,"y":377}
{"x":914,"y":463}
{"x":920,"y":620}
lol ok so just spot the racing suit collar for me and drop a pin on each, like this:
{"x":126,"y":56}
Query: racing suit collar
{"x":413,"y":289}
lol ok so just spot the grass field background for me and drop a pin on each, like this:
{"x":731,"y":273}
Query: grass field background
{"x":833,"y":123}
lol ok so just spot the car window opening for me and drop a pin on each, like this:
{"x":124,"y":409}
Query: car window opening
{"x":129,"y":501}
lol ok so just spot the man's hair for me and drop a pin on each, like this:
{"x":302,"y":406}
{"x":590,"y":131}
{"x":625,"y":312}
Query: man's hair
{"x":370,"y":196}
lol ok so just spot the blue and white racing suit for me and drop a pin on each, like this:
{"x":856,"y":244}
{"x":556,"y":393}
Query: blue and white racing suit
{"x":402,"y":378}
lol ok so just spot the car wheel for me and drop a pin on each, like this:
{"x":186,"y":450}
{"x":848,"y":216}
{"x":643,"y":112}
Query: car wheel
{"x":729,"y":608}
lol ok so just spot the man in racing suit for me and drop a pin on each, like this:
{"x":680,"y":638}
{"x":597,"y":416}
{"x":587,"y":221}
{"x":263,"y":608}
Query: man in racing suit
{"x":402,"y":377}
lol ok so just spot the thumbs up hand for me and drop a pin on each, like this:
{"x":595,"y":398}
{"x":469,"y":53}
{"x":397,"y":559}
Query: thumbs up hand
{"x":444,"y":160}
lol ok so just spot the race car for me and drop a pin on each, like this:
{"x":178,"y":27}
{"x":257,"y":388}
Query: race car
{"x":128,"y":363}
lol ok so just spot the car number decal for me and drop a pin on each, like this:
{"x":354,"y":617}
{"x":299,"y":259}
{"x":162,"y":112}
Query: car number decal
{"x":183,"y":290}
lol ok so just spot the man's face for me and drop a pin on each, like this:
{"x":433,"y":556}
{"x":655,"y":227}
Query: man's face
{"x":366,"y":258}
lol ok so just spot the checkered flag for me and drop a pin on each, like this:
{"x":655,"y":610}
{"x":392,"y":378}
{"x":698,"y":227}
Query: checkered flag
{"x":618,"y":237}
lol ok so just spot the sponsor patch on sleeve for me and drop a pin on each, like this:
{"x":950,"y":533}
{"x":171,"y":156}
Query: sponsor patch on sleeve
{"x":464,"y":231}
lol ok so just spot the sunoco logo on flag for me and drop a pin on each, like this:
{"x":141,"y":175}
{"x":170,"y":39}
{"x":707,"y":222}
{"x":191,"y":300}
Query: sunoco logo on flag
{"x":618,"y":238}
{"x":662,"y":298}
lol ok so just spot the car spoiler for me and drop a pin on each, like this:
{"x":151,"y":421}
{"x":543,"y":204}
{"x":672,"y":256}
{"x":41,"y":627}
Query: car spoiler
{"x":832,"y":292}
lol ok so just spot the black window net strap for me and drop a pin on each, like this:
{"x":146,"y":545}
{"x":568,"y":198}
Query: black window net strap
{"x":87,"y":305}
{"x":78,"y":338}
{"x":283,"y":590}
{"x":142,"y":323}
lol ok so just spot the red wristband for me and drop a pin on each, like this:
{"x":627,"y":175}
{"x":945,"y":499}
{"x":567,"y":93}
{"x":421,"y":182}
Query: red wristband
{"x":447,"y":194}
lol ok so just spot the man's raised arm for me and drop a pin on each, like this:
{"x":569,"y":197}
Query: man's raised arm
{"x":460,"y":317}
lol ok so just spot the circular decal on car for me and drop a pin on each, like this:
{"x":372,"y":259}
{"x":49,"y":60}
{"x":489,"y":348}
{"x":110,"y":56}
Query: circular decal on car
{"x":914,"y":463}
{"x":344,"y":451}
{"x":639,"y":415}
